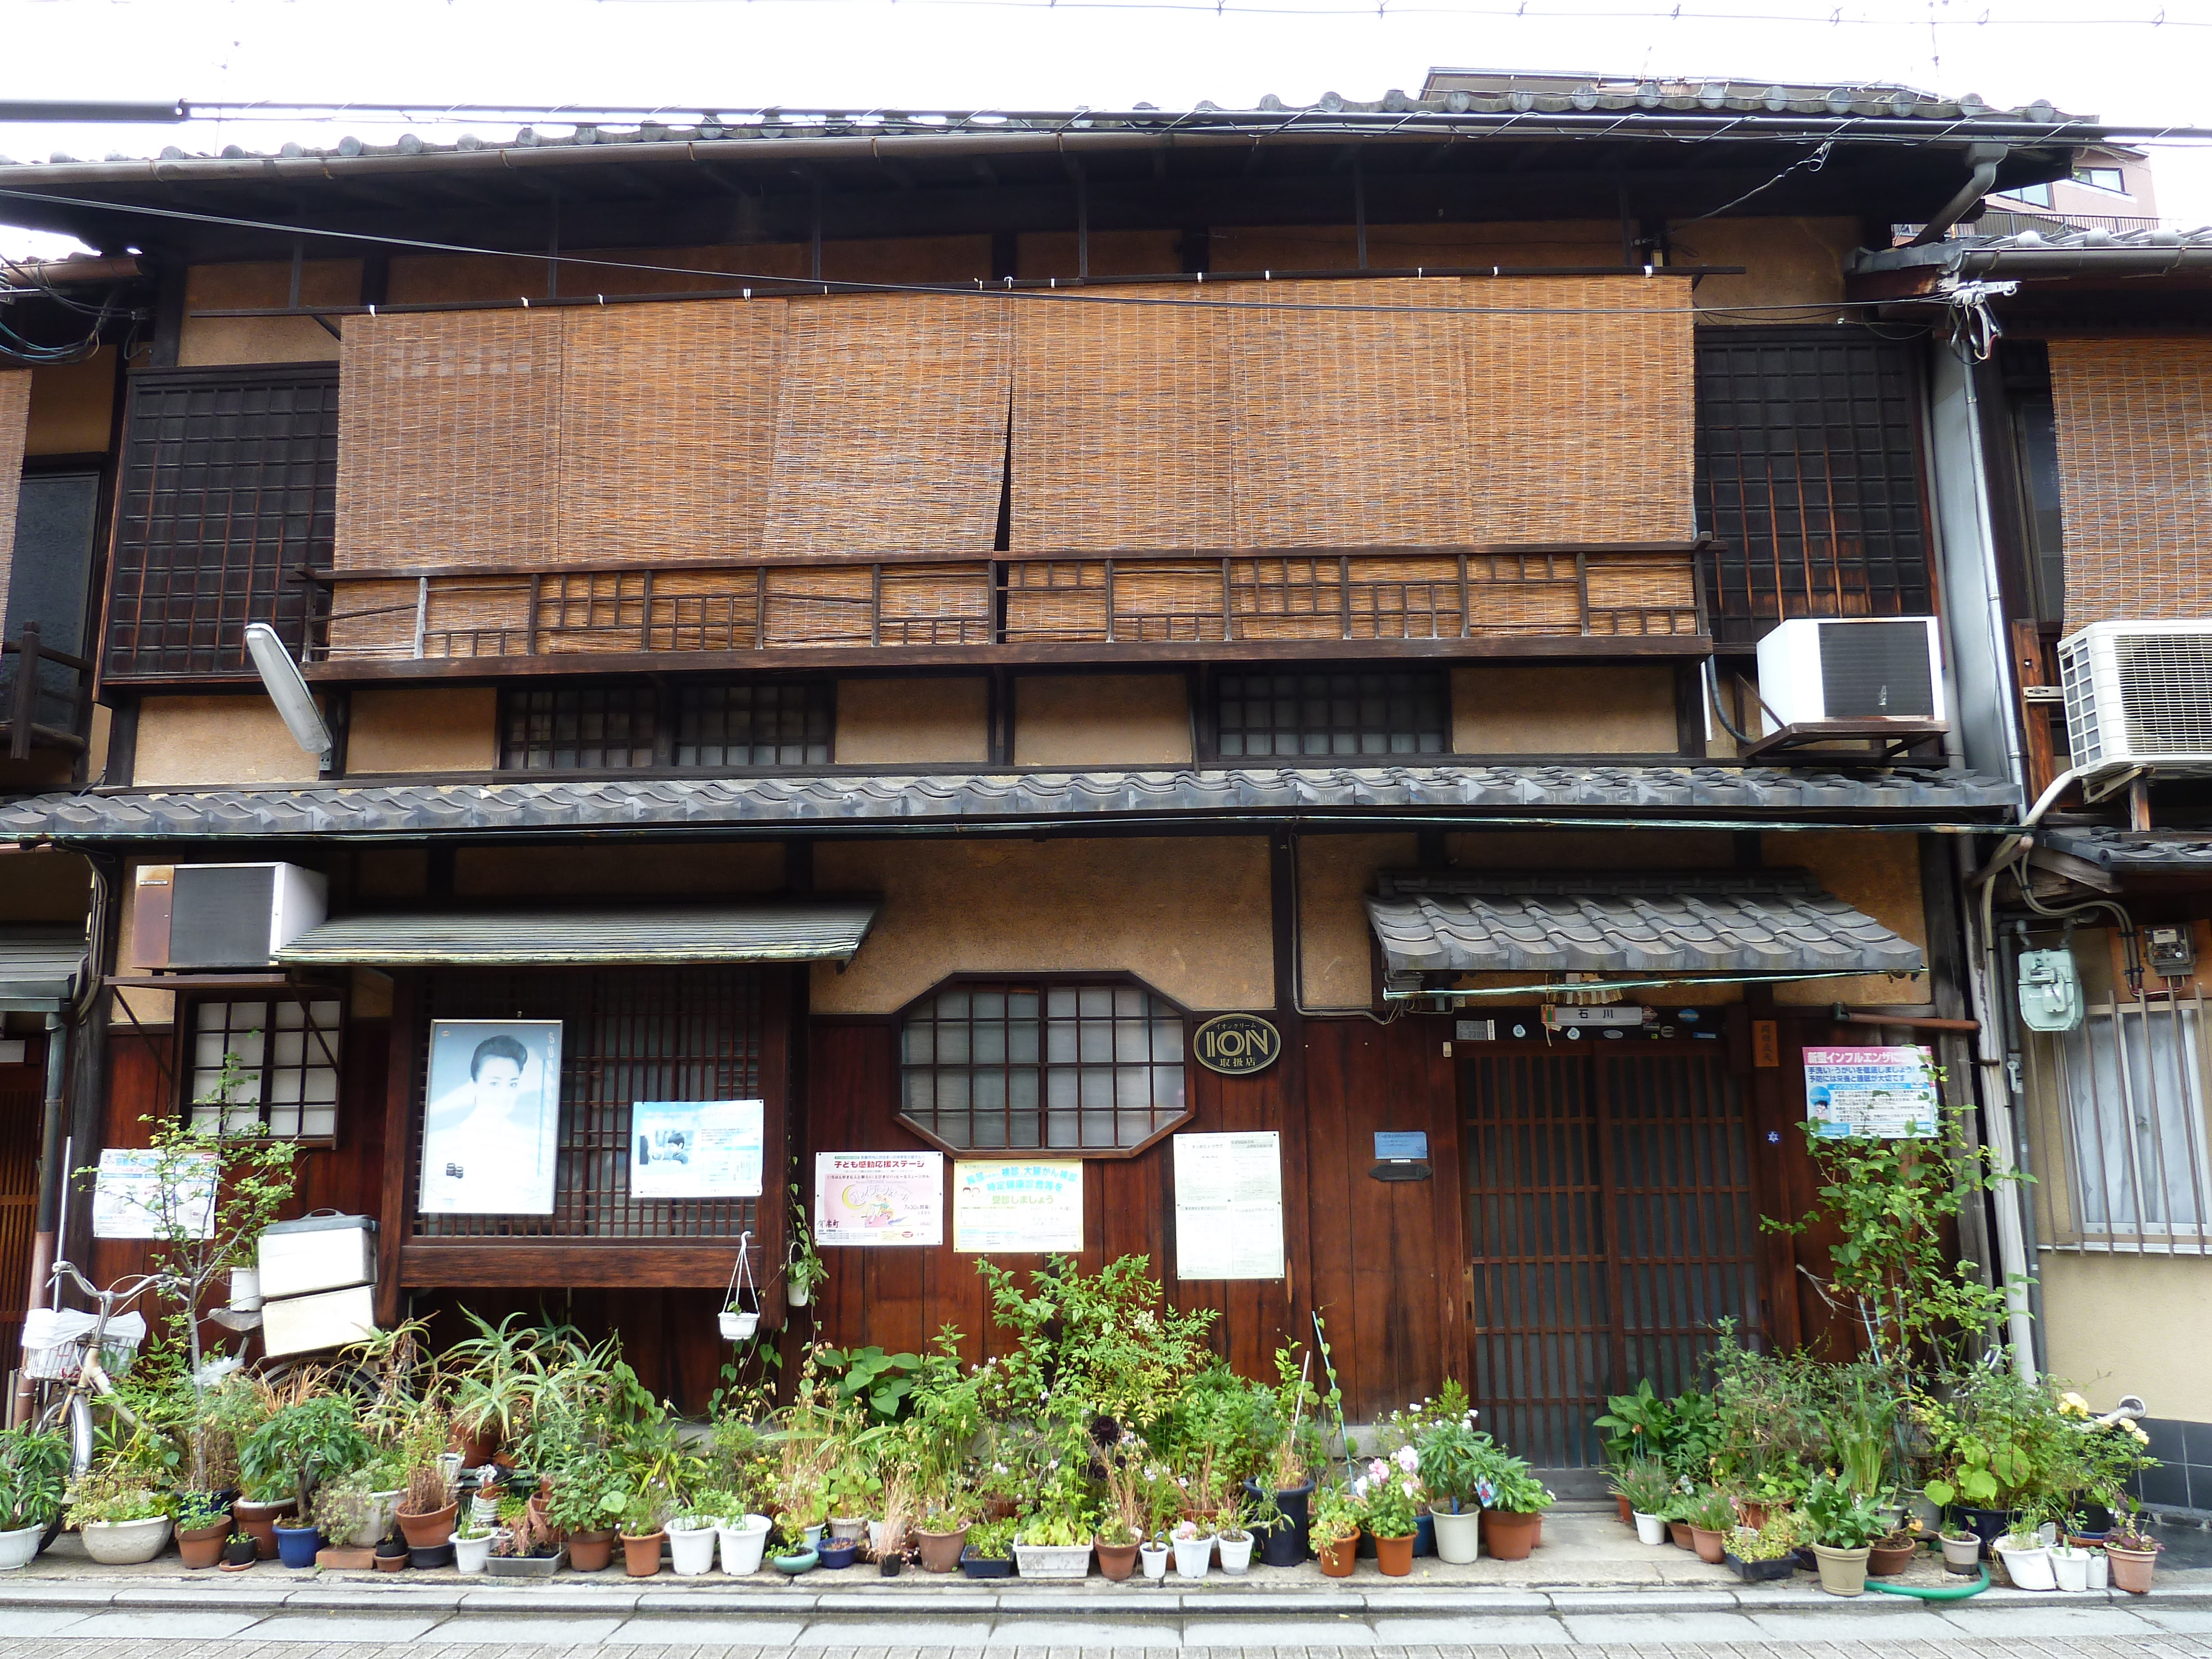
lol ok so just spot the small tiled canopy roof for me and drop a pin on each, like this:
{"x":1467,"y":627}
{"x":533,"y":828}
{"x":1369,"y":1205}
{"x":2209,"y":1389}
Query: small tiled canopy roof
{"x":1776,"y":923}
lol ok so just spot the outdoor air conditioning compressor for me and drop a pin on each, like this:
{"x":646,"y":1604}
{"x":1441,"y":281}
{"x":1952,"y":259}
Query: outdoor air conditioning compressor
{"x":2140,"y":694}
{"x":1817,"y":670}
{"x":222,"y":916}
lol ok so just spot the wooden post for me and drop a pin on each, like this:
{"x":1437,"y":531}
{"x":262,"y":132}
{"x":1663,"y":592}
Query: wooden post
{"x":391,"y":1217}
{"x":26,"y":694}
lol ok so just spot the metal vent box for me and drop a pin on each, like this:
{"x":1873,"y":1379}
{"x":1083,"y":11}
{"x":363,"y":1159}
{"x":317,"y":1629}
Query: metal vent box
{"x":331,"y":1319}
{"x":1812,"y":670}
{"x":317,"y":1253}
{"x":222,"y":916}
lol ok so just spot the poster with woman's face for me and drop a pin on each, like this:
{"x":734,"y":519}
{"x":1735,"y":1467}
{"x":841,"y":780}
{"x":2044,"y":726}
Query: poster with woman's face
{"x":491,"y":1128}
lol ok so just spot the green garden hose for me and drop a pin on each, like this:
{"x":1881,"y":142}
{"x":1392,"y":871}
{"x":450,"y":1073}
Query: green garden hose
{"x":1958,"y":1593}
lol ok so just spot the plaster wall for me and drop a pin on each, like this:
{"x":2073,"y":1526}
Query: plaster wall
{"x":912,"y":722}
{"x":1514,"y":710}
{"x":409,"y":731}
{"x":216,"y":741}
{"x":1875,"y":872}
{"x":704,"y":870}
{"x":1335,"y":943}
{"x":1101,"y":719}
{"x":1190,"y":916}
{"x":205,"y":340}
{"x":2131,"y":1324}
{"x":72,"y":406}
{"x":1789,"y":262}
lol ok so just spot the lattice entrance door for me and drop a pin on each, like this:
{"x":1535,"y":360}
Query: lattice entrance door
{"x":1612,"y":1223}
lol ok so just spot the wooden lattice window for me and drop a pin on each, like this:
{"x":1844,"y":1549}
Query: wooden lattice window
{"x":576,"y":728}
{"x":1042,"y":1065}
{"x":229,"y":487}
{"x":1341,"y":716}
{"x":1809,"y":476}
{"x":286,"y":1053}
{"x":711,"y":725}
{"x":753,"y":723}
{"x":627,"y":1034}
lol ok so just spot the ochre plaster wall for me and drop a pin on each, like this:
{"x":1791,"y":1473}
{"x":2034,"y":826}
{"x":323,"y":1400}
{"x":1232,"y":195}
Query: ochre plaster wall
{"x":1113,"y":253}
{"x":409,"y":730}
{"x":703,"y":870}
{"x":1789,"y":262}
{"x":44,"y":887}
{"x":1871,"y":871}
{"x":1513,"y":710}
{"x":900,"y":722}
{"x":2131,"y":1324}
{"x":207,"y":340}
{"x":1190,"y":916}
{"x":72,"y":405}
{"x":1101,"y":719}
{"x":1335,"y":951}
{"x":1336,"y":247}
{"x":217,"y":740}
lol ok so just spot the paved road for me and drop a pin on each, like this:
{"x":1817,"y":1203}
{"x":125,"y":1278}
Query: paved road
{"x":2054,"y":1647}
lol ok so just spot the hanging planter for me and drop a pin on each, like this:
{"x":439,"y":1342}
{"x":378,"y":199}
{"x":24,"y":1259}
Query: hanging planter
{"x":737,"y":1322}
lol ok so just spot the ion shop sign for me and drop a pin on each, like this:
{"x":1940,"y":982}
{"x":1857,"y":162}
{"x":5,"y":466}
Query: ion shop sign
{"x":1886,"y":1094}
{"x":1236,"y":1045}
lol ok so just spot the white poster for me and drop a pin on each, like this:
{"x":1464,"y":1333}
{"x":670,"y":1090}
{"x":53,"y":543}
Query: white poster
{"x":492,"y":1128}
{"x":696,"y":1148}
{"x":1886,"y":1094}
{"x":1001,"y":1208}
{"x":1228,"y":1205}
{"x":129,"y":1199}
{"x":879,"y":1198}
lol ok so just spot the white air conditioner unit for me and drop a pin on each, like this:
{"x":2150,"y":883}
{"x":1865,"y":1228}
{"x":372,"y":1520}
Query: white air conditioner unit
{"x":222,"y":916}
{"x":1817,"y":670}
{"x":2140,"y":694}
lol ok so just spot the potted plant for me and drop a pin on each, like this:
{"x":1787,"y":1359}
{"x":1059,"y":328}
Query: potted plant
{"x":638,"y":1520}
{"x":1055,"y":1543}
{"x":1762,"y":1554}
{"x":804,"y":1268}
{"x":471,"y":1547}
{"x":2027,"y":1559}
{"x":1233,"y":1540}
{"x":793,"y":1554}
{"x":259,"y":1507}
{"x":1962,"y":1552}
{"x":1193,"y":1543}
{"x":2069,"y":1566}
{"x":989,"y":1550}
{"x":391,"y":1554}
{"x":944,"y":1540}
{"x":744,"y":1539}
{"x":34,"y":1479}
{"x":691,"y":1540}
{"x":1844,"y":1525}
{"x":202,"y":1524}
{"x":1711,"y":1519}
{"x":1892,"y":1552}
{"x":1338,"y":1516}
{"x":340,"y":1509}
{"x":426,"y":1505}
{"x":523,"y":1546}
{"x":2133,"y":1553}
{"x":1391,"y":1490}
{"x":1454,"y":1456}
{"x":300,"y":1443}
{"x":122,"y":1518}
{"x":1155,"y":1556}
{"x":579,"y":1508}
{"x":1513,"y":1511}
{"x":1645,"y":1484}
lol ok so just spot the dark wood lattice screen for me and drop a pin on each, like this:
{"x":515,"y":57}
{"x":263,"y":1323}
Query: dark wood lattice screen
{"x":1808,"y":472}
{"x":229,"y":483}
{"x":1611,"y":1218}
{"x":627,"y":1034}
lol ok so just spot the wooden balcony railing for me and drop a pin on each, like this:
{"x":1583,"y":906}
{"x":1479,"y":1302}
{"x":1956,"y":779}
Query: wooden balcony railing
{"x":45,"y":693}
{"x":1526,"y":600}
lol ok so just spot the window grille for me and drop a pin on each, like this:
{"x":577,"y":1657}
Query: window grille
{"x":762,"y":723}
{"x":2119,"y":1144}
{"x":287,"y":1055}
{"x":1808,"y":474}
{"x":229,"y":484}
{"x":586,"y":729}
{"x":1037,"y":1066}
{"x":708,"y":724}
{"x":1343,"y":716}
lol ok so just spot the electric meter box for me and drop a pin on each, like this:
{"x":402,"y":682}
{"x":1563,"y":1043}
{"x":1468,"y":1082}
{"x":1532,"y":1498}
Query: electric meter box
{"x":2050,"y":991}
{"x":329,"y":1319}
{"x":317,"y":1253}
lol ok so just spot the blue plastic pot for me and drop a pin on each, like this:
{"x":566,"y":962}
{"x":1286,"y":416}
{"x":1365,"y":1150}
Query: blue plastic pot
{"x":296,"y":1546}
{"x":1425,"y":1534}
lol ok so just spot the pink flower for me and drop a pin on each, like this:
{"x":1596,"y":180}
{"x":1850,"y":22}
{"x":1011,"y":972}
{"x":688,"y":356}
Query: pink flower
{"x":1379,"y":1470}
{"x":1408,"y":1459}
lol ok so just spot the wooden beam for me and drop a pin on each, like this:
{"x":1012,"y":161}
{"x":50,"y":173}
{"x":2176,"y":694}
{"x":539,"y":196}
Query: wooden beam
{"x":599,"y":1263}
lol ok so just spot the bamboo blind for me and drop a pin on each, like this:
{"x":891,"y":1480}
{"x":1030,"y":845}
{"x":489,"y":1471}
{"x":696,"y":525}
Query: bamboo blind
{"x":2135,"y":477}
{"x":15,"y":432}
{"x":891,"y":433}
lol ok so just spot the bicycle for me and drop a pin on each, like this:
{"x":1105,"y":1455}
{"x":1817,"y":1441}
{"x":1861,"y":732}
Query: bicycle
{"x":70,"y":1371}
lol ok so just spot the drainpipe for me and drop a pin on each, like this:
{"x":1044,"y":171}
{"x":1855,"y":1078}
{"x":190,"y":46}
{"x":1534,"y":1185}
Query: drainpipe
{"x":1984,"y":159}
{"x":1984,"y":987}
{"x":51,"y":1177}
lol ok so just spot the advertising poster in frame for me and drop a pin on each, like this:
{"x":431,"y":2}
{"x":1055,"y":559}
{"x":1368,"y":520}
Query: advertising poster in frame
{"x":696,"y":1148}
{"x":491,"y":1124}
{"x":878,"y":1197}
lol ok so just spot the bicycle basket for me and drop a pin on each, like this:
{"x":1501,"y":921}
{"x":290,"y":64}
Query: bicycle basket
{"x":54,"y":1343}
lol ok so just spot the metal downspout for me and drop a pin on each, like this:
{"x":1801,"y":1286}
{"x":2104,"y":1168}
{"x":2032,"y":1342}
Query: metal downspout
{"x":43,"y":1244}
{"x":1984,"y":159}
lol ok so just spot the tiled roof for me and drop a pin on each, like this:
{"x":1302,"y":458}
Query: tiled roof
{"x":2178,"y":851}
{"x":1758,"y":922}
{"x":869,"y":802}
{"x":2028,"y":250}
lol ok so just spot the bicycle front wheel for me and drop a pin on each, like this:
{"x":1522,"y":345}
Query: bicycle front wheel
{"x":68,"y":1414}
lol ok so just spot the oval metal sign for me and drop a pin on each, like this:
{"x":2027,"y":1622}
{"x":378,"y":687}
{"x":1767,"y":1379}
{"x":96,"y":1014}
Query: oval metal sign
{"x":1236,"y":1045}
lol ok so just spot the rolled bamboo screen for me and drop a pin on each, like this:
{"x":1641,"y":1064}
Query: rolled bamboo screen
{"x":2135,"y":477}
{"x":14,"y":431}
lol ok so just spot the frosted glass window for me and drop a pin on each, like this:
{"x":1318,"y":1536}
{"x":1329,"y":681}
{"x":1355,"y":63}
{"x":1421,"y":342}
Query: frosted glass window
{"x":282,"y":1057}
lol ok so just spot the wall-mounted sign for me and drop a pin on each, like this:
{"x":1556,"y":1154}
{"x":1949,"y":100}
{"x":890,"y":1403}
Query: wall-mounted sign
{"x":879,"y":1198}
{"x":696,"y":1148}
{"x":492,"y":1127}
{"x":1888,"y":1094}
{"x":129,"y":1199}
{"x":1002,"y":1208}
{"x":1236,"y":1045}
{"x":1228,"y":1205}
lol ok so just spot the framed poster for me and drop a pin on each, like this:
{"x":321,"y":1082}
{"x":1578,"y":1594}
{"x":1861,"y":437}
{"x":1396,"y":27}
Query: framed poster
{"x":878,"y":1197}
{"x":1002,"y":1208}
{"x":696,"y":1148}
{"x":1228,"y":1205}
{"x":1886,"y":1094}
{"x":491,"y":1128}
{"x":129,"y":1199}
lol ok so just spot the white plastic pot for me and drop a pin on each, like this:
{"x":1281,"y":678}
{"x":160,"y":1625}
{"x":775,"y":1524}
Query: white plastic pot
{"x":2100,"y":1571}
{"x":1155,"y":1558}
{"x":1193,"y":1555}
{"x":691,"y":1549}
{"x":1459,"y":1534}
{"x":739,"y":1326}
{"x":1236,"y":1552}
{"x":743,"y":1542}
{"x":125,"y":1543}
{"x":470,"y":1554}
{"x":18,"y":1548}
{"x":2070,"y":1567}
{"x":246,"y":1290}
{"x":376,"y":1526}
{"x":796,"y":1294}
{"x":1650,"y":1529}
{"x":2029,"y":1565}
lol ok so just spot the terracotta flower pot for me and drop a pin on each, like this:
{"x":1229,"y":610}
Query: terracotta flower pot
{"x":425,"y":1532}
{"x":259,"y":1519}
{"x":1627,"y":1514}
{"x":1337,"y":1555}
{"x":1116,"y":1561}
{"x":1753,"y":1513}
{"x":1710,"y":1546}
{"x":1395,"y":1556}
{"x":1678,"y":1531}
{"x":1507,"y":1536}
{"x":591,"y":1551}
{"x":202,"y":1547}
{"x":941,"y":1550}
{"x":641,"y":1556}
{"x":2131,"y":1568}
{"x":1887,"y":1560}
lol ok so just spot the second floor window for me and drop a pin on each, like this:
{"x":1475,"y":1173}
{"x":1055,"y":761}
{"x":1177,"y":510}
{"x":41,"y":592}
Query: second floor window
{"x":708,"y":725}
{"x":1344,"y":716}
{"x":276,"y":1062}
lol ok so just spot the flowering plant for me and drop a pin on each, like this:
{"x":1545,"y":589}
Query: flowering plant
{"x":1391,"y":1493}
{"x":1337,"y":1515}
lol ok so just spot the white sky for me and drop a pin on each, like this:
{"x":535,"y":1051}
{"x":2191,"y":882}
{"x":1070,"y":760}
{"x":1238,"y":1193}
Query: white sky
{"x":2103,"y":57}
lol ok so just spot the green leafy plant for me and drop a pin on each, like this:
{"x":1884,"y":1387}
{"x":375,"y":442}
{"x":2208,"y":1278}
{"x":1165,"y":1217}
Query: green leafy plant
{"x":805,"y":1268}
{"x":882,"y":1381}
{"x":1454,"y":1456}
{"x":1512,"y":1488}
{"x":1391,"y":1494}
{"x":33,"y":1477}
{"x":343,"y":1507}
{"x":993,"y":1541}
{"x":1768,"y":1543}
{"x":112,"y":1496}
{"x":1337,"y":1515}
{"x":1840,"y":1518}
{"x":1712,"y":1512}
{"x":1104,"y":1345}
{"x":1645,"y":1483}
{"x":194,"y":1510}
{"x":300,"y":1444}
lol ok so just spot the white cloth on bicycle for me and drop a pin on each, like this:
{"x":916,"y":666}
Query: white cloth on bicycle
{"x":52,"y":1328}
